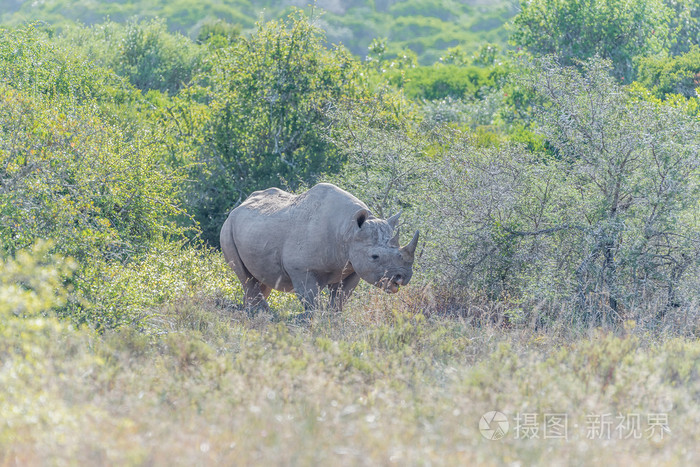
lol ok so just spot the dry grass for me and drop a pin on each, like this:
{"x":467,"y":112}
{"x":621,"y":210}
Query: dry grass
{"x":376,"y":385}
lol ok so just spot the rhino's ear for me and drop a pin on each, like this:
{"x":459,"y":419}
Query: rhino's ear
{"x":394,"y":220}
{"x":360,"y":217}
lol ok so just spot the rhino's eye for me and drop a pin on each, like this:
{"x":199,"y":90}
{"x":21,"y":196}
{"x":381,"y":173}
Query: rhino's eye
{"x":375,"y":256}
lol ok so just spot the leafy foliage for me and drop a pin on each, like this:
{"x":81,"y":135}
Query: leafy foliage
{"x":427,"y":27}
{"x":145,"y":53}
{"x":441,"y":81}
{"x":576,"y":30}
{"x":608,"y":218}
{"x":384,"y":160}
{"x":76,"y":165}
{"x":79,"y":179}
{"x":111,"y":295}
{"x":266,"y":95}
{"x":30,"y":62}
{"x":32,"y":282}
{"x":676,"y":75}
{"x":636,"y":165}
{"x":684,"y":25}
{"x":219,"y":33}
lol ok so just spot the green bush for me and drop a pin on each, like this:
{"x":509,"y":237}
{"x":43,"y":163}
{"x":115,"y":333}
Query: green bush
{"x":262,"y":126}
{"x":69,"y":174}
{"x":577,"y":30}
{"x":218,"y":33}
{"x":684,"y":25}
{"x":383,"y":154}
{"x":144,"y":52}
{"x":112,"y":295}
{"x":441,"y":81}
{"x":675,"y":75}
{"x":33,"y":282}
{"x":606,"y":221}
{"x":33,"y":63}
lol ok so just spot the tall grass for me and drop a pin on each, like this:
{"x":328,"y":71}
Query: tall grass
{"x":380,"y":383}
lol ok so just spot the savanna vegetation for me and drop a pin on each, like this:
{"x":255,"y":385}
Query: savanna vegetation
{"x":428,"y":28}
{"x":551,"y":164}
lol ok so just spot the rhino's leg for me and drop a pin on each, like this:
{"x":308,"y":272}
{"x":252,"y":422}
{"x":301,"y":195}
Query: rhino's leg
{"x":307,"y":288}
{"x":340,"y":291}
{"x":254,"y":292}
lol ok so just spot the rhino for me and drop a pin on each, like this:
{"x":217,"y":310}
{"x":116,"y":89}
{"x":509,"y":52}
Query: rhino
{"x":302,"y":243}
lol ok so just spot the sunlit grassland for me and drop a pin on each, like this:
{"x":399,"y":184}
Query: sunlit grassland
{"x":208,"y":383}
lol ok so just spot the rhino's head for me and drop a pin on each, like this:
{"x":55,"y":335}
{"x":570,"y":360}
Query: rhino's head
{"x":375,"y":254}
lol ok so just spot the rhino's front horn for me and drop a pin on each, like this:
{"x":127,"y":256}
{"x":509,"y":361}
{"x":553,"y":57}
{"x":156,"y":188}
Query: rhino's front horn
{"x":411,"y":247}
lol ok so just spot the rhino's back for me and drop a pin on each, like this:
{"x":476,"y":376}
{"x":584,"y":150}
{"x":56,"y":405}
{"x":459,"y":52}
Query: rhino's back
{"x":323,"y":205}
{"x":276,"y":232}
{"x":270,"y":201}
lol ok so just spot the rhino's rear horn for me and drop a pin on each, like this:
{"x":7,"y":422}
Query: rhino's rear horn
{"x":394,"y":220}
{"x":411,"y":247}
{"x":395,"y":239}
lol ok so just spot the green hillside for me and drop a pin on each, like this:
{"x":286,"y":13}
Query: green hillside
{"x":427,"y":27}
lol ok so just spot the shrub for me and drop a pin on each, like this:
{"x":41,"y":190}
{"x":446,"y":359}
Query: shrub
{"x":69,"y":174}
{"x":676,"y":75}
{"x":441,"y":81}
{"x":477,"y":194}
{"x":383,"y":153}
{"x":31,"y":63}
{"x":112,"y":295}
{"x":144,"y":52}
{"x":266,"y":95}
{"x":635,"y":165}
{"x":218,"y":33}
{"x":605,"y":222}
{"x":32,"y":282}
{"x":577,"y":30}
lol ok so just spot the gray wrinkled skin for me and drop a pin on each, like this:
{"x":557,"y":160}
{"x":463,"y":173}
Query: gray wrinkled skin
{"x":302,"y":243}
